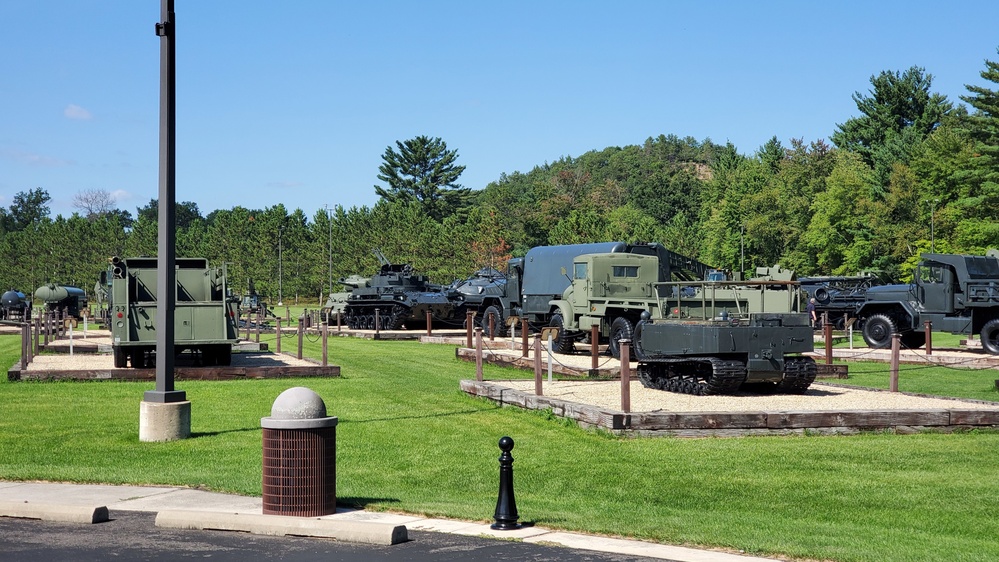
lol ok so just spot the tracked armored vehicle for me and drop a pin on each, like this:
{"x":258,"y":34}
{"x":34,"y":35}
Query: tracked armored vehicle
{"x":720,"y":356}
{"x":399,"y":297}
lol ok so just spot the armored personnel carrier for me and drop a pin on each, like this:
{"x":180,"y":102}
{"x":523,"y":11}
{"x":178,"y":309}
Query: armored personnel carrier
{"x":401,"y":298}
{"x":719,"y":356}
{"x":482,"y":293}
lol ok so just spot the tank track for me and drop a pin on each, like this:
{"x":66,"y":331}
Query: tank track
{"x":799,"y":374}
{"x":701,"y":377}
{"x":363,"y":317}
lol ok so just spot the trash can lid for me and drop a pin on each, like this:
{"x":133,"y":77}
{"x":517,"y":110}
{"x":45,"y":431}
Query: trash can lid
{"x":298,"y":408}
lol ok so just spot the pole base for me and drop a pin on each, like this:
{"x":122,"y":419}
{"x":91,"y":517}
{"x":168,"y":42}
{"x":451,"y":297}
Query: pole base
{"x":168,"y":421}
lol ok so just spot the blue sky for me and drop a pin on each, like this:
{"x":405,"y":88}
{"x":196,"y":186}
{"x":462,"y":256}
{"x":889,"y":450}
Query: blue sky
{"x":295,"y":102}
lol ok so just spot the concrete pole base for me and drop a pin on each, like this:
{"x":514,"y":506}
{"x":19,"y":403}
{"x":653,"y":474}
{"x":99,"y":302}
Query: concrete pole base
{"x":164,"y":421}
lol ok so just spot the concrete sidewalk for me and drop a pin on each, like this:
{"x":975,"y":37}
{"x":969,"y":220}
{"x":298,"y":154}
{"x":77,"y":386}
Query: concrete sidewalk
{"x":198,"y":509}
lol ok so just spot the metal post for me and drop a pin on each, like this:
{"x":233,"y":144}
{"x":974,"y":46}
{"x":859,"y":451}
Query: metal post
{"x":827,"y":335}
{"x":278,"y":334}
{"x":928,"y":326}
{"x":594,"y":347}
{"x":478,"y":354}
{"x":280,"y":235}
{"x":469,"y":321}
{"x":301,"y":334}
{"x":537,"y":364}
{"x":166,"y":274}
{"x":893,"y":377}
{"x":325,"y":329}
{"x":506,"y":506}
{"x":625,"y":376}
{"x":523,"y":335}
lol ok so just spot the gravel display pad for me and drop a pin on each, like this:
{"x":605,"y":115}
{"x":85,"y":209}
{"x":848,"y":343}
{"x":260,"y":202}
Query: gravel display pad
{"x":825,"y":408}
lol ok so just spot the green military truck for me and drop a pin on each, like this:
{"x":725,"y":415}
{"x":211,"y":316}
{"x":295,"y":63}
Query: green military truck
{"x":612,"y":290}
{"x":204,"y":317}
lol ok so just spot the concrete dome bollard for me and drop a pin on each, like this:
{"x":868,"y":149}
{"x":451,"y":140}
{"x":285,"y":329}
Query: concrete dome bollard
{"x":299,"y":456}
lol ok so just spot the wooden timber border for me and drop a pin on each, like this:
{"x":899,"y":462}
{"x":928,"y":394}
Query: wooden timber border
{"x":737,"y":424}
{"x":268,"y":366}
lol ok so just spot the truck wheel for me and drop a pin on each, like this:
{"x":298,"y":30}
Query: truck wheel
{"x":990,"y":336}
{"x":499,"y":328}
{"x":120,"y":358}
{"x":563,"y":343}
{"x":621,"y":329}
{"x":878,"y":330}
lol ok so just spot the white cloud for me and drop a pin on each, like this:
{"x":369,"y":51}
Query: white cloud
{"x":120,"y":195}
{"x":74,"y":111}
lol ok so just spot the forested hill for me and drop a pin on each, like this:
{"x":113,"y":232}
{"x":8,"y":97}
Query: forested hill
{"x":911,"y":172}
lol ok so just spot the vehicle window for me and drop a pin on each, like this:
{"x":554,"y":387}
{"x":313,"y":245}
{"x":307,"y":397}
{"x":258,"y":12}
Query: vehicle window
{"x":625,"y":271}
{"x":579,"y":271}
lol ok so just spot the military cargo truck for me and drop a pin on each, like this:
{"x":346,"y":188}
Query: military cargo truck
{"x":612,"y":291}
{"x":957,"y":293}
{"x":204,"y":317}
{"x":531,"y":283}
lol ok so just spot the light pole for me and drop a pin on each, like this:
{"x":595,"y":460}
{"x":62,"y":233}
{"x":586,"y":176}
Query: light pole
{"x":933,"y":205}
{"x":329,"y":217}
{"x":280,"y":232}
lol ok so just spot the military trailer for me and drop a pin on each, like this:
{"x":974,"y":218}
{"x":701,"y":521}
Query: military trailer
{"x":204,"y":317}
{"x":956,"y":293}
{"x":62,"y":297}
{"x":14,"y":306}
{"x":720,"y":354}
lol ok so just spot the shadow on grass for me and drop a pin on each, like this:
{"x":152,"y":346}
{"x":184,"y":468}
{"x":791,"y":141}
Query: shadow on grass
{"x":196,"y":434}
{"x":362,"y":503}
{"x":431,"y":415}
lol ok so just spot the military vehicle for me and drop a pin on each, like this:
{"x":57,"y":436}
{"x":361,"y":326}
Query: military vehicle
{"x":957,"y":293}
{"x":839,"y":296}
{"x":531,"y":283}
{"x":401,"y":298}
{"x":337,"y":302}
{"x":204,"y":317}
{"x":14,"y":306}
{"x":612,"y":290}
{"x":62,"y":297}
{"x":720,"y":354}
{"x":484,"y":293}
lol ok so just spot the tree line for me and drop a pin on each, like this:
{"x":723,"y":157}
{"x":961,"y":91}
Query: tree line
{"x":912,"y":172}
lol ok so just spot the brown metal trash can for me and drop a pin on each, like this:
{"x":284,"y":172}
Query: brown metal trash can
{"x":299,"y":456}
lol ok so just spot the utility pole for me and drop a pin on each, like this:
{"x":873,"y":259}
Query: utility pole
{"x":280,"y":232}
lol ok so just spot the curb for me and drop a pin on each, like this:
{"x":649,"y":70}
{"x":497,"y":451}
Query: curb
{"x":53,"y":512}
{"x":280,"y":525}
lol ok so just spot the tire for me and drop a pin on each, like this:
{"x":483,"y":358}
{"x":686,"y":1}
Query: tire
{"x":564,"y":342}
{"x":223,"y":355}
{"x":138,"y":356}
{"x":636,"y":343}
{"x":499,"y":327}
{"x":822,"y":295}
{"x":990,"y":336}
{"x":120,"y":358}
{"x":621,"y":329}
{"x":878,"y":330}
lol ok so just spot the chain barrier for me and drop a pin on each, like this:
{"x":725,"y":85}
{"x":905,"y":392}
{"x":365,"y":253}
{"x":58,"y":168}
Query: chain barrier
{"x":554,"y":357}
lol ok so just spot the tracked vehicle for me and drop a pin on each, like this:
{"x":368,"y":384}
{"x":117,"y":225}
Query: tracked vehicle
{"x":398,"y":296}
{"x":721,"y":356}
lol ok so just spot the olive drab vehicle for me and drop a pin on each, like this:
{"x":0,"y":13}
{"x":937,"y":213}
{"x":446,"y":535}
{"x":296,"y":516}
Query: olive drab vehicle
{"x":62,"y":297}
{"x":204,"y":317}
{"x":697,"y":337}
{"x":956,"y":293}
{"x":398,"y":297}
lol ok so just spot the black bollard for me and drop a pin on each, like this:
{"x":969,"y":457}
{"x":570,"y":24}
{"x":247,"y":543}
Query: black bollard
{"x":506,"y":506}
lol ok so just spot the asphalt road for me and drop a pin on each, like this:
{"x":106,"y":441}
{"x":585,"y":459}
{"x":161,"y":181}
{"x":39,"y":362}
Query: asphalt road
{"x":132,"y":535}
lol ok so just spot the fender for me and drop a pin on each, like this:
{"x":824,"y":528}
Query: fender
{"x":903,"y":311}
{"x":565,"y":309}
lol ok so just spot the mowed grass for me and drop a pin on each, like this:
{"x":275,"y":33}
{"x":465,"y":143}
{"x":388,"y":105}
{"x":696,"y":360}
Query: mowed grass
{"x":409,"y":440}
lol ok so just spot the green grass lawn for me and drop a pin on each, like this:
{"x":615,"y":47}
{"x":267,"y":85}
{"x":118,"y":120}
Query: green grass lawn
{"x":409,"y":440}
